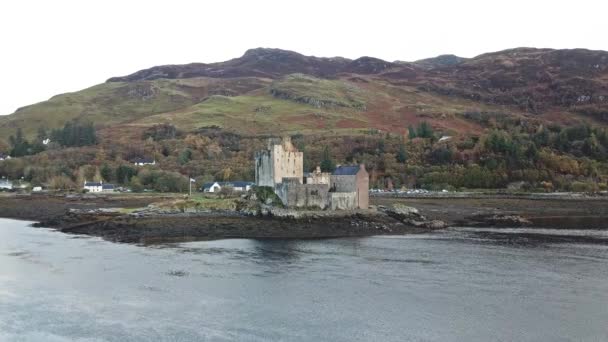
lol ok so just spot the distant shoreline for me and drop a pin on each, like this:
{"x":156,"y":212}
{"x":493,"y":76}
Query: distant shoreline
{"x":54,"y":212}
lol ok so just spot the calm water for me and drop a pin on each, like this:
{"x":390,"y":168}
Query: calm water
{"x":460,"y":285}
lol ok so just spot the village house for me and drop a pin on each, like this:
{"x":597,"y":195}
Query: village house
{"x":98,"y":187}
{"x":5,"y":184}
{"x":4,"y":156}
{"x":280,"y":166}
{"x":143,"y":161}
{"x":239,"y":186}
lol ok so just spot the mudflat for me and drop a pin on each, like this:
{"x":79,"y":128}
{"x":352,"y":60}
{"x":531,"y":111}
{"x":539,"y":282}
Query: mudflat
{"x":54,"y":211}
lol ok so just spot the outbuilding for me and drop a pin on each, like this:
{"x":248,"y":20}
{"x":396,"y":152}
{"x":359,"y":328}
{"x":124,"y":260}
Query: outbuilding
{"x":351,"y":179}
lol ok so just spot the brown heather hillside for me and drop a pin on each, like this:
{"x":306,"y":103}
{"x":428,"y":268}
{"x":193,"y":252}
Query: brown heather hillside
{"x":363,"y":109}
{"x":561,"y":86}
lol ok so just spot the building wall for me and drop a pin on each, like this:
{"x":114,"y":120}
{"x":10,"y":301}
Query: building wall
{"x":358,"y":184}
{"x":318,"y":177}
{"x":294,"y":194}
{"x":287,"y":164}
{"x":345,"y":183}
{"x":277,"y":162}
{"x":342,"y":200}
{"x":362,"y":189}
{"x":264,"y":168}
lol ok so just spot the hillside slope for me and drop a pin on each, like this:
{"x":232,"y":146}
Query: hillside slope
{"x":271,"y":90}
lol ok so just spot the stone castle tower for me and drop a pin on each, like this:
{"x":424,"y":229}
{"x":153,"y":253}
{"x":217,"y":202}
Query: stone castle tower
{"x":279,"y":160}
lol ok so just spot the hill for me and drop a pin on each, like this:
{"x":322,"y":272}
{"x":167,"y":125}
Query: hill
{"x":269,"y":92}
{"x":563,"y":86}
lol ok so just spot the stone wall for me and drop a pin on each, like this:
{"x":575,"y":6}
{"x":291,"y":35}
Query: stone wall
{"x":345,"y":183}
{"x":278,"y":161}
{"x":293,"y":194}
{"x":342,"y":200}
{"x":264,"y":175}
{"x":287,"y":163}
{"x":318,"y":177}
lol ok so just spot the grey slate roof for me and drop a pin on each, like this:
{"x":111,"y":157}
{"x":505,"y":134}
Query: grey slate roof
{"x":346,"y":171}
{"x":92,"y":184}
{"x":143,"y":160}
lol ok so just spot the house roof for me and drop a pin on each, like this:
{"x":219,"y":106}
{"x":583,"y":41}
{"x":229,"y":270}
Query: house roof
{"x":143,"y":160}
{"x":236,"y":184}
{"x":93,"y":184}
{"x":239,"y":184}
{"x":208,"y":185}
{"x":107,"y":186}
{"x":346,"y":170}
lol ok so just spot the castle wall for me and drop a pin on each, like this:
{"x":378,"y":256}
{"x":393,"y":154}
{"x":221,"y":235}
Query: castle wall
{"x":358,"y":184}
{"x":293,"y":194}
{"x":342,"y":200}
{"x":264,"y":168}
{"x":318,"y":177}
{"x":278,"y":161}
{"x":287,"y":164}
{"x":363,"y":189}
{"x":346,"y":183}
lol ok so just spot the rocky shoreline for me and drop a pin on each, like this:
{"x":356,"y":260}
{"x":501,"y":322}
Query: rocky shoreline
{"x":137,"y":219}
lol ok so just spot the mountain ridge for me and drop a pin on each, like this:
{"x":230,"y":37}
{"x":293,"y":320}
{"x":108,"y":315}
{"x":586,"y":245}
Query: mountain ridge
{"x":554,"y":86}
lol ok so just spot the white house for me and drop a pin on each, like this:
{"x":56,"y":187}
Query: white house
{"x":236,"y":186}
{"x":4,"y":157}
{"x":212,"y":187}
{"x":143,"y":161}
{"x":98,"y":187}
{"x":5,"y":184}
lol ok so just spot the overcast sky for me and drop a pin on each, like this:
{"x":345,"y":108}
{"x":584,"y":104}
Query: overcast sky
{"x":52,"y":47}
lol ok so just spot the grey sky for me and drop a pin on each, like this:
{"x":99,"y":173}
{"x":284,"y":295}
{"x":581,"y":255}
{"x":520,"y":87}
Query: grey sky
{"x":52,"y":47}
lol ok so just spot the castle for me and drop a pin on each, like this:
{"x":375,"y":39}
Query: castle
{"x":280,"y":166}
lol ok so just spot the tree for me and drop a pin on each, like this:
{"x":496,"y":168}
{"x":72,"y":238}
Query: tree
{"x":107,"y":173}
{"x":411,"y":132}
{"x":124,"y":173}
{"x":402,"y":154}
{"x":136,"y":185}
{"x":19,"y":145}
{"x":75,"y":134}
{"x":185,"y":156}
{"x":532,"y":152}
{"x":327,"y":164}
{"x":425,"y":130}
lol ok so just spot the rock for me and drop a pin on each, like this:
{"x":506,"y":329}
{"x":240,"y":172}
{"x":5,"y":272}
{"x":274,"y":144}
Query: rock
{"x":497,"y":220}
{"x":435,"y":224}
{"x":402,"y":213}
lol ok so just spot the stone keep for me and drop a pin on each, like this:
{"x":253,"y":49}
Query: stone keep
{"x":278,"y":161}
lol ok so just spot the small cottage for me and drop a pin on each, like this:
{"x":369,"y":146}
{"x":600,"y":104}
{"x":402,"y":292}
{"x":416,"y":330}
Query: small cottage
{"x":98,"y":187}
{"x":235,"y":186}
{"x":143,"y":161}
{"x":5,"y":184}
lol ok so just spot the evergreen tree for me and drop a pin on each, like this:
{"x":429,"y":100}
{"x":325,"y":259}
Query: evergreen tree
{"x":411,"y":132}
{"x":185,"y":156}
{"x":19,"y":145}
{"x":402,"y":154}
{"x":425,"y":130}
{"x":327,"y":164}
{"x":107,"y":174}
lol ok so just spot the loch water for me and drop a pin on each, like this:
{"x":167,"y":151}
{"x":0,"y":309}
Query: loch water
{"x":461,"y":284}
